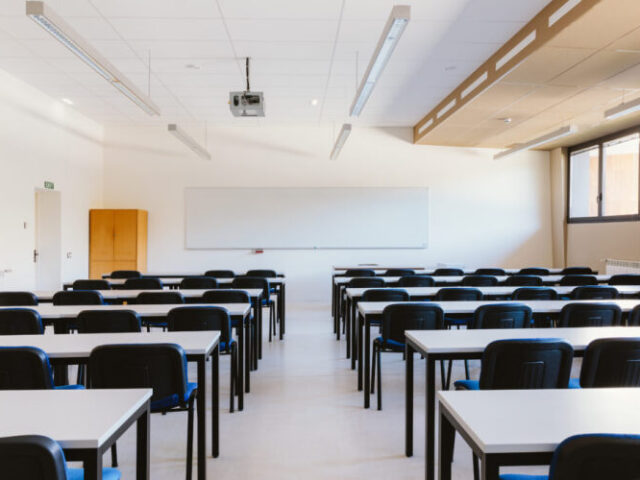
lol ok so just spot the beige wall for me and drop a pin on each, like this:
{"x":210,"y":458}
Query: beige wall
{"x":558,"y":188}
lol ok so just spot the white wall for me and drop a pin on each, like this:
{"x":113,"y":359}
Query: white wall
{"x":483,"y":212}
{"x":591,"y":243}
{"x":42,"y":139}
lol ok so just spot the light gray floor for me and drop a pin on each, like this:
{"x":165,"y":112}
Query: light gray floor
{"x":304,"y":418}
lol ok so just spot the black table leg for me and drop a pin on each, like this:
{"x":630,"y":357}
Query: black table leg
{"x":430,"y":418}
{"x":447,"y":437}
{"x":348,"y":325}
{"x":240,"y":372}
{"x":283,"y":309}
{"x":200,"y":418}
{"x":367,"y":363}
{"x":215,"y":403}
{"x":247,"y":352}
{"x":354,"y":335}
{"x":490,"y":468}
{"x":408,"y":396}
{"x":360,"y":346}
{"x":92,"y":465}
{"x":142,"y":446}
{"x":260,"y":331}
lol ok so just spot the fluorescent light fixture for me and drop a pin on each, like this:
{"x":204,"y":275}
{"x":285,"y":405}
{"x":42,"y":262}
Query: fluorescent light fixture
{"x":536,"y":142}
{"x":61,"y":31}
{"x":622,"y":109}
{"x":188,"y":141}
{"x":67,"y":101}
{"x":392,"y":32}
{"x":345,"y":131}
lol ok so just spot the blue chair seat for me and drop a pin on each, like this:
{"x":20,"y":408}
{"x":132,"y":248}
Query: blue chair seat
{"x":518,"y":476}
{"x":390,"y":344}
{"x":224,"y":346}
{"x":107,"y":474}
{"x":173,"y":400}
{"x":69,"y":387}
{"x":574,"y":383}
{"x":467,"y":385}
{"x":456,"y":321}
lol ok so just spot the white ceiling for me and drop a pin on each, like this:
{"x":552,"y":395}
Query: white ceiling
{"x":300,"y":50}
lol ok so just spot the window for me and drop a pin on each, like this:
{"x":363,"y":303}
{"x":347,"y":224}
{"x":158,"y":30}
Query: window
{"x":604,"y":179}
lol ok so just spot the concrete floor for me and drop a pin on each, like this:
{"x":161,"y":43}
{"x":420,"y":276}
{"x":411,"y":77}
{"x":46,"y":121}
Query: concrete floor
{"x":304,"y":418}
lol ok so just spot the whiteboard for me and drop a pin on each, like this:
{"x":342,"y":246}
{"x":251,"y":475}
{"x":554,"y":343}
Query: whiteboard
{"x":306,"y":218}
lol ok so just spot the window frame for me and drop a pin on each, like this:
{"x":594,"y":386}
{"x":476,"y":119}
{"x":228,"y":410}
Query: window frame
{"x":600,"y":143}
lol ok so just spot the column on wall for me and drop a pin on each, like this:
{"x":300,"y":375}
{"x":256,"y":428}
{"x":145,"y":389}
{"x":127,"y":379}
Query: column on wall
{"x":558,"y":206}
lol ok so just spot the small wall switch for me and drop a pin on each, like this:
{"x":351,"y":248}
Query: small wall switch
{"x":69,"y":254}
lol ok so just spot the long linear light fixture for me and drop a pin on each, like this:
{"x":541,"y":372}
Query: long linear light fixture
{"x":65,"y":34}
{"x":188,"y":141}
{"x":536,"y":142}
{"x":400,"y":15}
{"x":345,"y":131}
{"x":622,"y":109}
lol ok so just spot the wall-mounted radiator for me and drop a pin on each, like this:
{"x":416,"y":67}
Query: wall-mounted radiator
{"x":613,"y":266}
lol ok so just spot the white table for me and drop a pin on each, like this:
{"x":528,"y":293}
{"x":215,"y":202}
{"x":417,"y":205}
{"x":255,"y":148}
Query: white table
{"x":198,"y":346}
{"x":125,"y":295}
{"x":470,"y":344}
{"x":84,"y":422}
{"x":524,"y":427}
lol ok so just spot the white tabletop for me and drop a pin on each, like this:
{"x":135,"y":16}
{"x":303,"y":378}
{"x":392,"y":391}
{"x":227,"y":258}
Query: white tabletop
{"x":47,"y":295}
{"x":475,"y":341}
{"x":178,"y":280}
{"x":81,"y":345}
{"x":47,"y":310}
{"x":516,"y":421}
{"x":377,"y":267}
{"x":467,"y":271}
{"x":458,"y":279}
{"x":545,"y":306}
{"x":74,"y":418}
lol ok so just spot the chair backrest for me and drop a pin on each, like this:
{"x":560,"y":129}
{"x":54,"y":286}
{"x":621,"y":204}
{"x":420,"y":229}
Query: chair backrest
{"x":611,"y":362}
{"x":261,"y":273}
{"x":360,"y":272}
{"x":398,"y":317}
{"x":577,"y":271}
{"x":365,"y":282}
{"x":501,"y":315}
{"x":20,"y":321}
{"x":625,"y":279}
{"x":144,"y":283}
{"x":160,"y":366}
{"x":449,"y":294}
{"x":578,"y":280}
{"x":108,"y":321}
{"x":32,"y":457}
{"x":226,"y":296}
{"x":385,"y":295}
{"x":17,"y":299}
{"x":533,"y":271}
{"x":253,"y":282}
{"x":594,"y":292}
{"x":399,"y":272}
{"x":526,"y":364}
{"x":125,"y":274}
{"x":590,"y":315}
{"x":480,"y":281}
{"x":91,"y":285}
{"x":78,"y":297}
{"x":523,"y":281}
{"x":24,"y":368}
{"x":448,"y":272}
{"x":220,"y":273}
{"x":534,"y":293}
{"x":597,"y":456}
{"x":490,"y":271}
{"x":201,"y":318}
{"x":416,"y":281}
{"x":198,"y":283}
{"x":159,"y":298}
{"x":634,"y":317}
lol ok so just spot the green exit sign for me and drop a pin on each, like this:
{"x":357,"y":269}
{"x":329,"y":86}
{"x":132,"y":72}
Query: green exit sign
{"x":49,"y":185}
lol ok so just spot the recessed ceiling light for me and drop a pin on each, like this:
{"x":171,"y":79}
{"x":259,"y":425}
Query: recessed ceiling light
{"x":506,"y":119}
{"x":192,"y":66}
{"x":450,"y":68}
{"x":314,"y":102}
{"x":67,"y":101}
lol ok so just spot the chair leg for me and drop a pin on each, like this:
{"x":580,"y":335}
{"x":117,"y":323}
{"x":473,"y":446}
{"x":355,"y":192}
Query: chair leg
{"x":379,"y":359}
{"x":448,"y":384}
{"x":232,"y":395}
{"x":443,"y":377}
{"x":466,"y":369}
{"x":270,"y":322}
{"x":80,"y":377}
{"x":476,"y":467}
{"x":373,"y":367}
{"x":190,"y":439}
{"x":114,"y":456}
{"x":275,"y":318}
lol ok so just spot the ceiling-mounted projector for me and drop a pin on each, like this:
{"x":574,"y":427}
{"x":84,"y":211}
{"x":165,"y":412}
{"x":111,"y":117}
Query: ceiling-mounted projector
{"x":247,"y":103}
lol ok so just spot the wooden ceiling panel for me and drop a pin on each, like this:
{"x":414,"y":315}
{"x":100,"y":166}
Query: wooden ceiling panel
{"x":597,"y":68}
{"x":545,"y":64}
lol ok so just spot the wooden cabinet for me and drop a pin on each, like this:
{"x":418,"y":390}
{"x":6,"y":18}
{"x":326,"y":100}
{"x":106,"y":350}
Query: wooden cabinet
{"x":117,"y":241}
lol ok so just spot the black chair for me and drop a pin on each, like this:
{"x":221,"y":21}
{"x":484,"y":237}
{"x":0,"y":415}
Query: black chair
{"x":158,"y":298}
{"x":20,"y":321}
{"x":396,"y":319}
{"x":125,"y":274}
{"x":577,"y":271}
{"x":457,"y":294}
{"x":198,"y":283}
{"x":161,"y":366}
{"x":594,"y":292}
{"x":108,"y":321}
{"x":226,"y":296}
{"x":523,"y":281}
{"x":17,"y":299}
{"x":634,"y":317}
{"x":78,"y":297}
{"x":534,"y":293}
{"x":385,"y":295}
{"x":501,"y":315}
{"x":416,"y":281}
{"x":220,"y":273}
{"x":27,"y":368}
{"x":261,"y":273}
{"x":357,"y":272}
{"x":263,"y":283}
{"x":610,"y":362}
{"x":365,"y":282}
{"x":143,"y":283}
{"x":578,"y":280}
{"x":595,"y":456}
{"x":448,"y":272}
{"x":590,"y":315}
{"x":399,"y":272}
{"x":534,"y":271}
{"x":490,"y":271}
{"x":210,"y":318}
{"x":479,"y":281}
{"x":625,"y":279}
{"x":35,"y":457}
{"x":91,"y":285}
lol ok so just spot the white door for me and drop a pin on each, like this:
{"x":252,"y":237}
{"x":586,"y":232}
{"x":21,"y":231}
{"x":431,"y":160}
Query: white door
{"x":48,"y":252}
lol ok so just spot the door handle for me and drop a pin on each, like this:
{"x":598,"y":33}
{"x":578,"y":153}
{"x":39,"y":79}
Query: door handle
{"x":35,"y":255}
